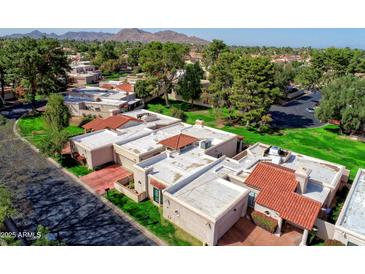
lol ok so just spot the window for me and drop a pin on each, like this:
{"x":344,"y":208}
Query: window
{"x":156,"y":195}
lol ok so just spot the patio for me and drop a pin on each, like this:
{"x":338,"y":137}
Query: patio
{"x":245,"y":233}
{"x":105,"y":178}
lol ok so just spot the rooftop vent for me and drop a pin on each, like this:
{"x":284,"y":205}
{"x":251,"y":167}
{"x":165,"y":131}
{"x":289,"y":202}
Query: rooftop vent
{"x":205,"y":144}
{"x":275,"y":151}
{"x":199,"y":123}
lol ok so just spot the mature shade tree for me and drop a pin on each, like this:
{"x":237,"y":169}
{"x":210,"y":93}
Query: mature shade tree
{"x":57,"y":115}
{"x":221,"y":79}
{"x":144,"y":88}
{"x":254,"y":89}
{"x":41,"y":65}
{"x":212,"y":52}
{"x":343,"y":99}
{"x":162,"y":62}
{"x":188,"y":86}
{"x":284,"y":75}
{"x":110,"y":66}
{"x":133,"y":55}
{"x":308,"y":77}
{"x":4,"y":67}
{"x":53,"y":145}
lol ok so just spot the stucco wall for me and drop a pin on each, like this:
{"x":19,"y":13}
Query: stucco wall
{"x":230,"y":218}
{"x":101,"y":156}
{"x":325,"y":229}
{"x":76,"y":147}
{"x":268,"y":212}
{"x":227,"y":148}
{"x":125,"y":162}
{"x":140,"y":180}
{"x":346,"y":236}
{"x":195,"y":224}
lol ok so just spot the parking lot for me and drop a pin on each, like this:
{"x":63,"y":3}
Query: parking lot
{"x":294,"y":113}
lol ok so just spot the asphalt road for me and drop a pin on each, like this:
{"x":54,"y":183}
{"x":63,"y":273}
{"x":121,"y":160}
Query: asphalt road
{"x":45,"y":195}
{"x":294,"y":115}
{"x":15,"y":111}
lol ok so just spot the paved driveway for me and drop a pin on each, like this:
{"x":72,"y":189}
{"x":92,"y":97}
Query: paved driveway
{"x":294,"y":115}
{"x":45,"y":195}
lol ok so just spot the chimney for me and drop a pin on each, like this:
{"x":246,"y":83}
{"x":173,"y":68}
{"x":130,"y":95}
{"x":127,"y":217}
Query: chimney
{"x":302,"y":175}
{"x":199,"y":123}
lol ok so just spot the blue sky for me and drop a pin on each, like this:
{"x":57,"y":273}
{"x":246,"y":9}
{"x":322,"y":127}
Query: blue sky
{"x":318,"y":38}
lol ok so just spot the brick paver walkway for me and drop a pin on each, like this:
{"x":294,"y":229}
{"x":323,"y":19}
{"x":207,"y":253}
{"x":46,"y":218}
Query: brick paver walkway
{"x":245,"y":233}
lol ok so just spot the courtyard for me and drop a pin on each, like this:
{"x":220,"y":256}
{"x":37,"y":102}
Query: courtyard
{"x":245,"y":233}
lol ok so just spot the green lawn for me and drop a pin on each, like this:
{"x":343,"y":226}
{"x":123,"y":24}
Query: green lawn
{"x":150,"y":216}
{"x":114,"y":76}
{"x":324,"y":142}
{"x":34,"y":130}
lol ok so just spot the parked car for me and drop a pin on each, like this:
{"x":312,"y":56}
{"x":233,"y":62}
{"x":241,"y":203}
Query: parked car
{"x":311,"y":110}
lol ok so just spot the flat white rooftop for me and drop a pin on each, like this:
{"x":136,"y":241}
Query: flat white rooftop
{"x":204,"y":132}
{"x":160,"y":118}
{"x":171,"y":167}
{"x":352,"y":216}
{"x":107,"y":137}
{"x":209,"y":193}
{"x":151,"y":141}
{"x":322,"y":172}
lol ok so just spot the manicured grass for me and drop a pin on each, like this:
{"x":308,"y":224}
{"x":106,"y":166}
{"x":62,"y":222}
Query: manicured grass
{"x":150,"y":216}
{"x":113,"y":76}
{"x":73,"y":166}
{"x":34,"y":130}
{"x":325,"y":142}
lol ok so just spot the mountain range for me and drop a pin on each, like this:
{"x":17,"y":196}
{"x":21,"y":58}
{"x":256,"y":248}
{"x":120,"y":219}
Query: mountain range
{"x":132,"y":35}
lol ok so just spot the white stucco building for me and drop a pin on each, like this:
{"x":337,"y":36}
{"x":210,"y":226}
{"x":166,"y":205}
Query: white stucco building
{"x":350,"y":226}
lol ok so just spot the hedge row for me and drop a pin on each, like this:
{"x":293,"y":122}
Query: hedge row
{"x":263,"y":221}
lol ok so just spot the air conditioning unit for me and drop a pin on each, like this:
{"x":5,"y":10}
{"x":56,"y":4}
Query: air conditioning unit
{"x":205,"y":144}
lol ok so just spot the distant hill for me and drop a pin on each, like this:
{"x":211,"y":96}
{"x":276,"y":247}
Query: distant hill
{"x":132,"y":35}
{"x":139,"y":35}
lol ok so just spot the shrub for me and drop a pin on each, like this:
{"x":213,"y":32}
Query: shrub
{"x":332,"y":243}
{"x":263,"y":221}
{"x":177,"y":113}
{"x":2,"y":120}
{"x":85,"y":120}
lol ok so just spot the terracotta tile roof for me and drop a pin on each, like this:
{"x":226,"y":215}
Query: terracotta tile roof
{"x":90,"y":125}
{"x":178,"y":141}
{"x":124,"y":87}
{"x":106,"y":86}
{"x":157,"y":184}
{"x":277,"y":187}
{"x":112,"y":122}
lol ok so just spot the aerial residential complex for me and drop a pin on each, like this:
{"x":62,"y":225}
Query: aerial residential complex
{"x":204,"y":179}
{"x":100,"y":102}
{"x":350,"y":226}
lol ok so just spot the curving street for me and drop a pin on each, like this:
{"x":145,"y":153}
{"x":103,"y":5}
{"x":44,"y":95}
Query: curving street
{"x":45,"y":195}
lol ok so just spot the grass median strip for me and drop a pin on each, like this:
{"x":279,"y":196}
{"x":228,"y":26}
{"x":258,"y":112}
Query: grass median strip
{"x":150,"y":216}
